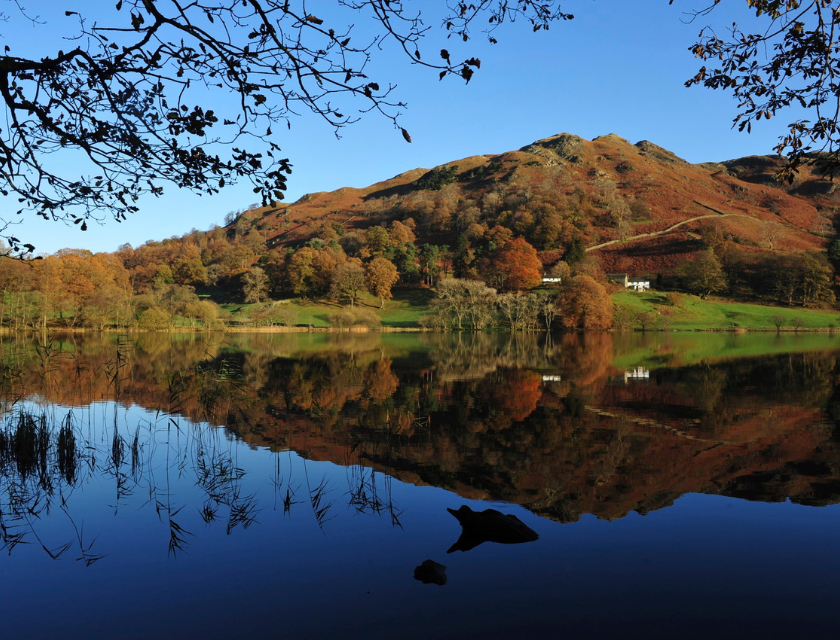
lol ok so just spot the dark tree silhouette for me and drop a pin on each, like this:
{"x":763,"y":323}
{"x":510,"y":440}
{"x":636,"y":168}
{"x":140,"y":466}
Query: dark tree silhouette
{"x":789,"y":58}
{"x":137,"y":93}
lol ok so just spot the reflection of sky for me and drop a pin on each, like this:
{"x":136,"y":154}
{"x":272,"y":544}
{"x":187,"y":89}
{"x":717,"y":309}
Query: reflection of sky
{"x":705,"y":562}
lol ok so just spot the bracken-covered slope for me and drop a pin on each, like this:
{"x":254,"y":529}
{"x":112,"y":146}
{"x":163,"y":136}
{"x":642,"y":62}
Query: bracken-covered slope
{"x":636,"y":207}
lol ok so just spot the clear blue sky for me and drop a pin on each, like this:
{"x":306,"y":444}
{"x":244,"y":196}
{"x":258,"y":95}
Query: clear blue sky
{"x":618,"y":67}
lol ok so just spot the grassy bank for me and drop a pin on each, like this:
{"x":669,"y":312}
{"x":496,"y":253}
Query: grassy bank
{"x":403,"y":311}
{"x":693,"y":314}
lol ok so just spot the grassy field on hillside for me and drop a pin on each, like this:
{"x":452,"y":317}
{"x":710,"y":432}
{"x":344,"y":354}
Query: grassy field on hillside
{"x":689,"y":314}
{"x":692,"y":314}
{"x":403,"y":311}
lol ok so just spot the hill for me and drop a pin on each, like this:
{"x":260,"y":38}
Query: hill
{"x":636,"y":207}
{"x":604,"y":205}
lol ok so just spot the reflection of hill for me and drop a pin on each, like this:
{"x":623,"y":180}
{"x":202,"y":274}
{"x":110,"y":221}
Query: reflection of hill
{"x":480,"y":417}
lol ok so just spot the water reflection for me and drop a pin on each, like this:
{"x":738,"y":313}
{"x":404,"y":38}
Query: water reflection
{"x":246,"y":479}
{"x":563,"y":427}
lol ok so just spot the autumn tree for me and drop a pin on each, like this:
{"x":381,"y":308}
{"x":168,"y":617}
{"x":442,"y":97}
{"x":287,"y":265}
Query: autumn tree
{"x":176,"y":297}
{"x":520,"y":310}
{"x":585,"y":304}
{"x":188,"y":268}
{"x":549,"y":310}
{"x":300,"y":272}
{"x":348,"y":282}
{"x":377,"y":241}
{"x":514,"y":267}
{"x":401,"y":233}
{"x":703,"y":274}
{"x":309,"y":272}
{"x":255,"y":285}
{"x":205,"y":312}
{"x":817,"y":278}
{"x":460,"y":301}
{"x":49,"y":283}
{"x":352,"y":243}
{"x":380,"y":276}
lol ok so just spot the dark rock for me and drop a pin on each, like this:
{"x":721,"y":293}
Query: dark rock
{"x":430,"y":572}
{"x":567,"y":146}
{"x":655,"y":152}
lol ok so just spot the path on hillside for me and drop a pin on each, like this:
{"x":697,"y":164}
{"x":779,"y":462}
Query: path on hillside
{"x":717,"y":214}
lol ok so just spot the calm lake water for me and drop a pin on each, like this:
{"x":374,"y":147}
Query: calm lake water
{"x":290,"y":485}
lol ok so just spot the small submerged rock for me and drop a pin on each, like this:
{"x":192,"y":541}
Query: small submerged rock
{"x":430,"y":572}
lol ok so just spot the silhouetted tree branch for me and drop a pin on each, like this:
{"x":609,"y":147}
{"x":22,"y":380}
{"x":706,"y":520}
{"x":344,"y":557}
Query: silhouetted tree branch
{"x":791,"y":59}
{"x":139,"y":96}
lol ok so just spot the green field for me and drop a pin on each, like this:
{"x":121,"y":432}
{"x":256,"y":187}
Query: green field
{"x":689,"y":314}
{"x":403,"y":311}
{"x":694,"y":314}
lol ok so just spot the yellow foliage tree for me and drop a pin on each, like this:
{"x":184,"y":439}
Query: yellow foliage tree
{"x":380,"y":276}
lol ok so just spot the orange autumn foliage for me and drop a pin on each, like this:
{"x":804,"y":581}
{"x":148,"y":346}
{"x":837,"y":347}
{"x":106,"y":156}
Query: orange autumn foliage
{"x":514,"y":267}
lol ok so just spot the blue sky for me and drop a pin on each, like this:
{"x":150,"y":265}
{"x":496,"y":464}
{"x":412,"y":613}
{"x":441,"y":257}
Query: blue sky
{"x":618,"y":67}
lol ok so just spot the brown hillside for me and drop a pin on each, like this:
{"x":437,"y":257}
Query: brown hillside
{"x":741,"y":197}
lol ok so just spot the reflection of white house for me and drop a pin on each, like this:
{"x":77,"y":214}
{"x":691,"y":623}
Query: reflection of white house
{"x":639,"y":373}
{"x":555,"y":378}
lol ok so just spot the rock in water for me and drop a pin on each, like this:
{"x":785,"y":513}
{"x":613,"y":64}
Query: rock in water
{"x":489,"y":526}
{"x":430,"y":572}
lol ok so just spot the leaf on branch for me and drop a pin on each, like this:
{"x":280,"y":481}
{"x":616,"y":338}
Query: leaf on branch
{"x":405,"y":135}
{"x":314,"y":20}
{"x":444,"y":54}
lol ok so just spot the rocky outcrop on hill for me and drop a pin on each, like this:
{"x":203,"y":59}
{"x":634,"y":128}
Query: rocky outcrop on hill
{"x":563,"y":146}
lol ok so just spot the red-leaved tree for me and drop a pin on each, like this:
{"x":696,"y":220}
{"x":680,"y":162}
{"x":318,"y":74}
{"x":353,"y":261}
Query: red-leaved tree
{"x":514,"y":267}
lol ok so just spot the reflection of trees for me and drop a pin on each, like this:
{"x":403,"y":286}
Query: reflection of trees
{"x":479,"y":417}
{"x":475,"y":355}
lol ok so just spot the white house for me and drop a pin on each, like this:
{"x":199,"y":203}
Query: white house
{"x":638,"y":284}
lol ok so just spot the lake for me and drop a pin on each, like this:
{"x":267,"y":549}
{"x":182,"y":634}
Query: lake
{"x":420,"y":485}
